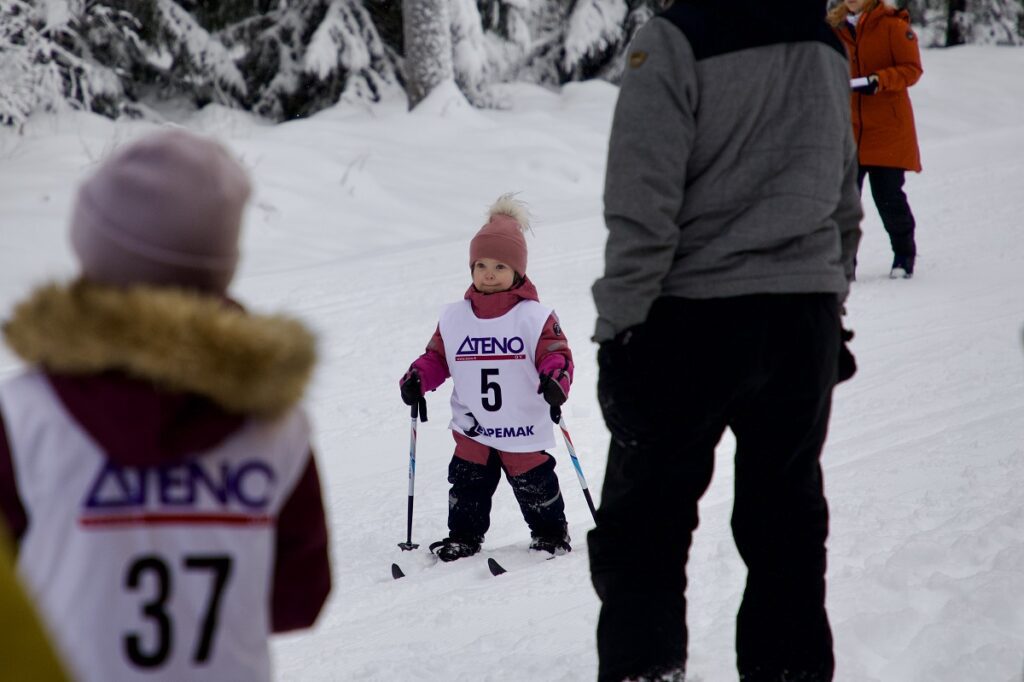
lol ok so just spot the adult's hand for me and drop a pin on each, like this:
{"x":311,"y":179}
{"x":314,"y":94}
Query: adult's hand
{"x":619,"y":386}
{"x":847,"y":363}
{"x":866,"y":86}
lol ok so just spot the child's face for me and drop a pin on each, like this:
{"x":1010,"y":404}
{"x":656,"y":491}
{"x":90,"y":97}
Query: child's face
{"x":491,"y":276}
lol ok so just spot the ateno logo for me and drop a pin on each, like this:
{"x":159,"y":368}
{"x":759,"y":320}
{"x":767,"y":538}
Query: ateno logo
{"x":179,"y":485}
{"x":492,"y":348}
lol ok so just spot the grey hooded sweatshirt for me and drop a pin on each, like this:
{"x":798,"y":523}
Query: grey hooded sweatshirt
{"x":731,"y":164}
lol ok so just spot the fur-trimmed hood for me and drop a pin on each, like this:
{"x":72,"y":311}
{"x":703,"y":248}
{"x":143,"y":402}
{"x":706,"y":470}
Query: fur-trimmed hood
{"x":179,"y":341}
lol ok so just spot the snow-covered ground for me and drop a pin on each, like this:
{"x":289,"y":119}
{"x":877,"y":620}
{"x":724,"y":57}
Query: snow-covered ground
{"x":360,"y":226}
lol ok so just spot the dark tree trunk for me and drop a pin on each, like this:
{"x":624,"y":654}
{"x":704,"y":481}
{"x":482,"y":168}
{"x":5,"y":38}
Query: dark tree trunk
{"x":954,"y":22}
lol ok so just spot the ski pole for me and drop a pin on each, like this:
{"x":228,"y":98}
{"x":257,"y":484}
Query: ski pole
{"x":556,"y":416}
{"x":409,"y":545}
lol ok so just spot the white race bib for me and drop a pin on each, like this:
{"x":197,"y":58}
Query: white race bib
{"x":493,"y":367}
{"x":154,"y":572}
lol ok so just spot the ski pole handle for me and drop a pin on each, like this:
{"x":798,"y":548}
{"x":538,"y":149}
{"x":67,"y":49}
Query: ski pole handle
{"x":419,"y":409}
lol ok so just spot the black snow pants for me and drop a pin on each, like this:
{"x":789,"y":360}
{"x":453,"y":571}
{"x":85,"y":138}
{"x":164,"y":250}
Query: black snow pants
{"x":763,"y":366}
{"x":892,"y":205}
{"x":473,"y":485}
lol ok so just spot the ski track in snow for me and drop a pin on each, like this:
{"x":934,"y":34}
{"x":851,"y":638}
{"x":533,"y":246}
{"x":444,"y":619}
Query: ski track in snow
{"x":360,"y":226}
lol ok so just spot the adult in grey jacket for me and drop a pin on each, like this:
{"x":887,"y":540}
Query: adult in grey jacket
{"x":733,"y":222}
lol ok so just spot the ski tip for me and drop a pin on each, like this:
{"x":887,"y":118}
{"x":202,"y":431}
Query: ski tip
{"x":494,"y":567}
{"x":396,"y":572}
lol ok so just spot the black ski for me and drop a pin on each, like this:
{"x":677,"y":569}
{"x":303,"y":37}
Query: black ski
{"x":396,"y":572}
{"x":494,"y":567}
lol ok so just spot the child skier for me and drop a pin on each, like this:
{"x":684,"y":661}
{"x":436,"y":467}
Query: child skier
{"x":511,"y":367}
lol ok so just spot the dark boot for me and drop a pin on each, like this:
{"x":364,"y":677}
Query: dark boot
{"x":902,"y":267}
{"x":552,"y":544}
{"x":451,"y":549}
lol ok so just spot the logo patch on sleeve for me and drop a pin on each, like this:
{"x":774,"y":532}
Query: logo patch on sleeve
{"x":636,"y":59}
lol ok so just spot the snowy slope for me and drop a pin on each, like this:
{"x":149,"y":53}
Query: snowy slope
{"x":360,"y":226}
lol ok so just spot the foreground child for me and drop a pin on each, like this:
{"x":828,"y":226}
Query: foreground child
{"x":511,"y":365}
{"x":155,"y":463}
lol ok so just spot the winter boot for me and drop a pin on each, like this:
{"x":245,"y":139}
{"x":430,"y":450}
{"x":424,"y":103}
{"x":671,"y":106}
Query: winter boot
{"x":556,"y":544}
{"x":451,"y":549}
{"x":902,"y":267}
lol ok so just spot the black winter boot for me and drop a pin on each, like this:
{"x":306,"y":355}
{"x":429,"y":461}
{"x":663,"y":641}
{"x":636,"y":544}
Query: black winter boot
{"x":555,"y":545}
{"x":451,"y":549}
{"x":902,"y":267}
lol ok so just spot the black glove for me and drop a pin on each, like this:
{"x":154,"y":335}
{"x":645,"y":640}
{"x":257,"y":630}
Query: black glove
{"x":620,"y":387}
{"x":551,"y":389}
{"x":869,"y":89}
{"x":412,"y":389}
{"x":847,"y":363}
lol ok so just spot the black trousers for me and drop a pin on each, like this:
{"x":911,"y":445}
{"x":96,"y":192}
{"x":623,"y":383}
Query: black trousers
{"x":765,"y":367}
{"x":473,"y":485}
{"x":892,"y":205}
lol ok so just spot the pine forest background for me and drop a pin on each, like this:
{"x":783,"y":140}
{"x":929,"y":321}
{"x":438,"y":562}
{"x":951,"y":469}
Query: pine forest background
{"x":282,"y":59}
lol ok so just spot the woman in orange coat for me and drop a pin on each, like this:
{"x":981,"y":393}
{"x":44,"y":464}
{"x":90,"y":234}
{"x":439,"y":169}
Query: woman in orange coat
{"x":884,"y":62}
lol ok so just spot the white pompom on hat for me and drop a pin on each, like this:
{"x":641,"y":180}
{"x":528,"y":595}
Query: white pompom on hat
{"x":165,"y":210}
{"x":502,"y":238}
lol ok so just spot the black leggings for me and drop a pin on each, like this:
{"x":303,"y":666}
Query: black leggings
{"x":893,"y":209}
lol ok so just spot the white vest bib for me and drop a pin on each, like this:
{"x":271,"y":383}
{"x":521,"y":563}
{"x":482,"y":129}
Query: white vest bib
{"x":492,"y":363}
{"x":154,"y":573}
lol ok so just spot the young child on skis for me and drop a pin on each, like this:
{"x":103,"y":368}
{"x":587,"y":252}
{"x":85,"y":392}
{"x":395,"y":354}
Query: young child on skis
{"x":511,"y":367}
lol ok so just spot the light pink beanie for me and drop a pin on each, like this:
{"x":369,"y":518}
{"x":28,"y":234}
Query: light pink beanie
{"x":502,"y":237}
{"x":164,"y":210}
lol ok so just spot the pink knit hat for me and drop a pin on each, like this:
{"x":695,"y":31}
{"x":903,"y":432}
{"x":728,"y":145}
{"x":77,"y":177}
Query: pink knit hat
{"x":502,"y":237}
{"x":164,"y":210}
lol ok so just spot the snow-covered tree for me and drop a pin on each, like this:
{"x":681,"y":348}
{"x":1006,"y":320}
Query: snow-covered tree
{"x":346,"y":43}
{"x":596,"y":29}
{"x":185,"y":51}
{"x":300,"y":57}
{"x":471,"y":61}
{"x":525,"y":38}
{"x":947,"y":23}
{"x":288,"y":58}
{"x":48,"y":59}
{"x":990,"y":22}
{"x":574,"y":40}
{"x":428,"y":47}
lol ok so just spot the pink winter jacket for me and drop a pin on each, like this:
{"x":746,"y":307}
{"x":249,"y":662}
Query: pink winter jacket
{"x":553,"y":353}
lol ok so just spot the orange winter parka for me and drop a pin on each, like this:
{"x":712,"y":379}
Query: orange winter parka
{"x":884,"y":44}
